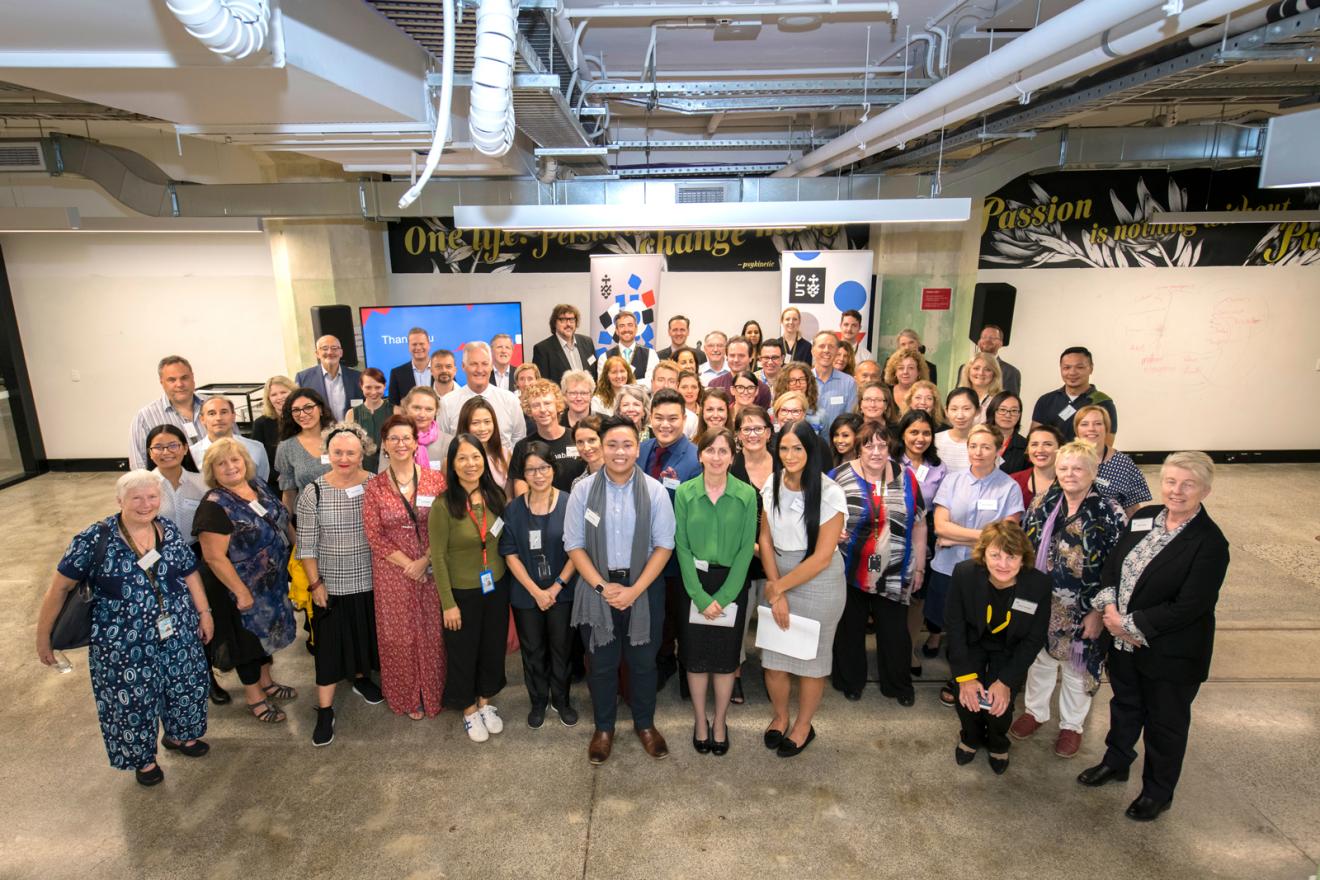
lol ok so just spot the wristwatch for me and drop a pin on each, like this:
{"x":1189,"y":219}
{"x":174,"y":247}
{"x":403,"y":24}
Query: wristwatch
{"x":561,"y":582}
{"x":600,"y":588}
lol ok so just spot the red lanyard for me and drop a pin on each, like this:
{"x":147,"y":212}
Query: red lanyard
{"x":877,"y":505}
{"x":481,"y":529}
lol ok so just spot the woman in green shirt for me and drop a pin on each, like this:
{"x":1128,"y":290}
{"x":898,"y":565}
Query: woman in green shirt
{"x":714,"y":542}
{"x":371,"y":414}
{"x":469,"y":575}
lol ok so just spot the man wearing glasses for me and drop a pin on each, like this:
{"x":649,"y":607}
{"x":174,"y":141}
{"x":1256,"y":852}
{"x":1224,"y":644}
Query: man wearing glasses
{"x":771,"y":361}
{"x":339,"y":386}
{"x":564,"y":349}
{"x":178,"y":406}
{"x":738,"y":356}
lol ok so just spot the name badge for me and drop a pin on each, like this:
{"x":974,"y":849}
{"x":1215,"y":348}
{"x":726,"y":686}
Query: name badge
{"x":987,"y":504}
{"x":923,"y":472}
{"x":1024,"y":606}
{"x":353,"y":491}
{"x":797,"y":506}
{"x":701,"y":564}
{"x":592,"y":517}
{"x":570,"y":452}
{"x":425,"y":500}
{"x":534,"y":539}
{"x":436,"y":465}
{"x":190,"y":429}
{"x":356,"y":402}
{"x":591,"y":360}
{"x":325,"y":459}
{"x":1067,"y":412}
{"x":165,"y":626}
{"x":836,"y":400}
{"x":150,"y":558}
{"x":670,"y":483}
{"x":487,"y":582}
{"x":1102,"y":482}
{"x":497,"y":527}
{"x":1143,"y":525}
{"x":257,"y":507}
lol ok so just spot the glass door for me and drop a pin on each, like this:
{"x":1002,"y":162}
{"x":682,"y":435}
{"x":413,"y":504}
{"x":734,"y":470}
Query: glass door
{"x":22,"y":453}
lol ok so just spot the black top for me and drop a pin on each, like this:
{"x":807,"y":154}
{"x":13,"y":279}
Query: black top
{"x":266,"y":431}
{"x":544,"y":564}
{"x":1001,"y":604}
{"x":801,"y":350}
{"x":1015,"y":456}
{"x":970,"y":641}
{"x":567,"y":464}
{"x":739,"y":469}
{"x":1051,"y":405}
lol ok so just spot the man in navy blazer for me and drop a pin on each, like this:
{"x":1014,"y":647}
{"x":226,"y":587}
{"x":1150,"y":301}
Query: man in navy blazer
{"x":417,"y":371}
{"x":564,"y":349}
{"x":339,"y":386}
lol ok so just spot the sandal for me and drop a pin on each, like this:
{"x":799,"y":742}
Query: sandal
{"x":270,"y":715}
{"x":417,"y":714}
{"x":738,"y":697}
{"x":281,"y":692}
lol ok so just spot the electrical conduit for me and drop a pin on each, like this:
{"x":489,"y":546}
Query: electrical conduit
{"x":232,"y":28}
{"x":442,"y":114}
{"x":491,"y":115}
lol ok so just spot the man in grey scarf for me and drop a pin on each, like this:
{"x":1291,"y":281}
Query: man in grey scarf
{"x":619,"y":532}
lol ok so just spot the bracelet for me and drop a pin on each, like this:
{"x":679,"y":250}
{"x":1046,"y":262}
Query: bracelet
{"x":205,"y":611}
{"x":561,"y":582}
{"x":319,"y":582}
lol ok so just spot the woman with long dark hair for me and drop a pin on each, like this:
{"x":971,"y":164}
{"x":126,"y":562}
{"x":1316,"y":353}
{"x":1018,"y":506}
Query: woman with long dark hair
{"x":300,"y":458}
{"x":804,"y":514}
{"x":1005,"y":412}
{"x":913,"y":446}
{"x":477,"y":417}
{"x":470,"y":575}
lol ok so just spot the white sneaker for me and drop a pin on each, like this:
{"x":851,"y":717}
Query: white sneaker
{"x":491,"y":718}
{"x":476,"y":727}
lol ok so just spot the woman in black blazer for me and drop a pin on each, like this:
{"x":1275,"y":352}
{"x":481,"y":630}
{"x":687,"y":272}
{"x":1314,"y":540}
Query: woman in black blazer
{"x":1158,"y":593}
{"x":996,"y":619}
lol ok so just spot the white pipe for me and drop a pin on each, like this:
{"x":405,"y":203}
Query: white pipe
{"x":1088,"y":18}
{"x":442,"y":115}
{"x":491,"y":114}
{"x":727,"y":10}
{"x":1148,"y":30}
{"x":767,"y":73}
{"x":232,"y":28}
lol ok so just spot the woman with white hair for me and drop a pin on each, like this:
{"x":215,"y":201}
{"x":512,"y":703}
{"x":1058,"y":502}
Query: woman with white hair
{"x":149,"y":622}
{"x":1157,"y":599}
{"x":578,"y":386}
{"x":1072,"y":528}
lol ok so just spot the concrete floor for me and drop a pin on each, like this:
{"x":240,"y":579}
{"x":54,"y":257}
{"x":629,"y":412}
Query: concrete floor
{"x":877,"y":795}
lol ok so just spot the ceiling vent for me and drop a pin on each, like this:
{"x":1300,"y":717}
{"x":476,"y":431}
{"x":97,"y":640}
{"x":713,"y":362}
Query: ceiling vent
{"x":21,"y":156}
{"x":700,"y":194}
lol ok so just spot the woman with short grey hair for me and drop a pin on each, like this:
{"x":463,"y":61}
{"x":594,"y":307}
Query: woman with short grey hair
{"x":149,"y":622}
{"x":578,"y":387}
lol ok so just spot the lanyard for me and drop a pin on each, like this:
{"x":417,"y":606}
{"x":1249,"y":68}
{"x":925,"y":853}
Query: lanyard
{"x":149,"y":572}
{"x":417,"y":487}
{"x":481,"y":529}
{"x":877,"y":501}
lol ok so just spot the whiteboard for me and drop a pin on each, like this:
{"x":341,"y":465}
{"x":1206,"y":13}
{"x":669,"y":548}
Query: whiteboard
{"x":1221,"y":358}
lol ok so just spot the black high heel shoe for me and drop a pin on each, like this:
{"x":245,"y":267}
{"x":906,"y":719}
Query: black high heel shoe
{"x":962,"y":756}
{"x":717,"y":748}
{"x":701,"y":745}
{"x":999,"y":765}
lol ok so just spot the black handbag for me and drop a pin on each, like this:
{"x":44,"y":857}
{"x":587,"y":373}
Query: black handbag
{"x":73,"y":625}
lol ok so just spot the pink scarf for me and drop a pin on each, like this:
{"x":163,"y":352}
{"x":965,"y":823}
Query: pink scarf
{"x":425,"y":439}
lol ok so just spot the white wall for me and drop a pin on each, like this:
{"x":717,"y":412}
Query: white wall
{"x":1214,"y":358}
{"x":712,"y":300}
{"x":110,"y":306}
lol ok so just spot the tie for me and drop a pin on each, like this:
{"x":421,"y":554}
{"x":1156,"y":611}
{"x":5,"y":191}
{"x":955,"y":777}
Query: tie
{"x":658,"y":465}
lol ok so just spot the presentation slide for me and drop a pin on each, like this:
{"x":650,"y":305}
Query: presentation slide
{"x":385,"y":330}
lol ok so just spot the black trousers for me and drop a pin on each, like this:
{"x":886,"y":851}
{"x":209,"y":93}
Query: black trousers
{"x":250,"y":673}
{"x":546,"y":641}
{"x":603,"y":679}
{"x":475,"y":651}
{"x":1159,"y":712}
{"x":983,"y":729}
{"x":676,"y":609}
{"x":893,"y":644}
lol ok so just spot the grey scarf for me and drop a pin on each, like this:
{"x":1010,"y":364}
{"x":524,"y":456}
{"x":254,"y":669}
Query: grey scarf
{"x":589,"y":607}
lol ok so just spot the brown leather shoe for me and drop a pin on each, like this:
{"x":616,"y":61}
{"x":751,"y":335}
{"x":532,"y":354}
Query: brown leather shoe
{"x":602,"y":741}
{"x":1068,"y":743}
{"x":653,"y":742}
{"x":1024,"y":727}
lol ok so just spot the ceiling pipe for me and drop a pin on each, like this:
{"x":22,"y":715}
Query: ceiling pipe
{"x":229,"y":28}
{"x":963,"y":94}
{"x":730,"y":10}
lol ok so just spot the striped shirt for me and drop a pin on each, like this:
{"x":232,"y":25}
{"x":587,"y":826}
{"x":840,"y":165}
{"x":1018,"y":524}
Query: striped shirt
{"x":160,"y":412}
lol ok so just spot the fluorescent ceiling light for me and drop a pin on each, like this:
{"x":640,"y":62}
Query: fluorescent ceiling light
{"x":42,"y":220}
{"x":719,"y":215}
{"x":1209,"y":217}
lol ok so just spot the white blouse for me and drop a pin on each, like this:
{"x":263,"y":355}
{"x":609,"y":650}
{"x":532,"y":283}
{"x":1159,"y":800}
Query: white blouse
{"x":788,"y":527}
{"x":179,"y":506}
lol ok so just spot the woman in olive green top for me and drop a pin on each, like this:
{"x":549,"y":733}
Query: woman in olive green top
{"x":371,"y":414}
{"x":714,"y":542}
{"x":469,"y":574}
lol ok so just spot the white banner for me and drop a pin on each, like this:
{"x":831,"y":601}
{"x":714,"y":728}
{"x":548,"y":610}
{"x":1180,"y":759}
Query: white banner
{"x":822,"y":284}
{"x":624,"y":281}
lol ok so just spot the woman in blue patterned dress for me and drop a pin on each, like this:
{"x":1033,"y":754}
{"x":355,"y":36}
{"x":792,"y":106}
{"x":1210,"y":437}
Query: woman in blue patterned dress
{"x":149,"y":623}
{"x":1072,"y":527}
{"x":245,"y":538}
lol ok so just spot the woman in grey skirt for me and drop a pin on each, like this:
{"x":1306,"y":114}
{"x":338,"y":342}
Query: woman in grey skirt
{"x":804,"y":515}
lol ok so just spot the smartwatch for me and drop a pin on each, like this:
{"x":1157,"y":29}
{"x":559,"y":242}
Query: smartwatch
{"x":600,"y":588}
{"x":561,"y":582}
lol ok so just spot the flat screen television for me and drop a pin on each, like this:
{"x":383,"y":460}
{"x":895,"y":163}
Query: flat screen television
{"x":385,"y":330}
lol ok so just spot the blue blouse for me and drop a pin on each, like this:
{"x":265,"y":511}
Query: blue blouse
{"x":974,"y":503}
{"x":119,"y":577}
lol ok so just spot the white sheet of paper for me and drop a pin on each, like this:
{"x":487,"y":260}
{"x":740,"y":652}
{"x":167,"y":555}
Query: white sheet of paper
{"x":799,"y":640}
{"x":987,"y":504}
{"x":728,"y":617}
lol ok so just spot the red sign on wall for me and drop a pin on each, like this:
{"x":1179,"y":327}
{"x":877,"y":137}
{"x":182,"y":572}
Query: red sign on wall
{"x":936,"y":299}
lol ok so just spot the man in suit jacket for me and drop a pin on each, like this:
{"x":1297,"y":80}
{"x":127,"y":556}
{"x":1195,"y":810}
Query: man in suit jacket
{"x":405,"y":377}
{"x":339,"y":386}
{"x":564,"y":349}
{"x":643,"y":359}
{"x":678,"y":336}
{"x":1161,"y":614}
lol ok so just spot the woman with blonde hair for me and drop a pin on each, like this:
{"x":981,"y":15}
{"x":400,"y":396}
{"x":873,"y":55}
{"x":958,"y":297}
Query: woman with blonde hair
{"x":615,"y":373}
{"x":1117,"y":476}
{"x":925,"y":396}
{"x":983,"y":375}
{"x":903,"y":370}
{"x":266,"y":427}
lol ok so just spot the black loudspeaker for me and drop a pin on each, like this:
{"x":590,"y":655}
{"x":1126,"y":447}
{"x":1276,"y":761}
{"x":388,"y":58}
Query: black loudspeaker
{"x":993,"y":304}
{"x":336,"y":321}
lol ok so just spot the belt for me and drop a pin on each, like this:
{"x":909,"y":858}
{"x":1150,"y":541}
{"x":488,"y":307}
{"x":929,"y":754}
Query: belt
{"x":621,"y":576}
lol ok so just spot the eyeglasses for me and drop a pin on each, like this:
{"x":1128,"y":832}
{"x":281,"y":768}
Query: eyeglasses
{"x":304,"y":410}
{"x":754,"y":430}
{"x":1006,"y":411}
{"x":401,"y":439}
{"x":745,"y":389}
{"x":166,"y":447}
{"x":537,"y":471}
{"x":771,"y":358}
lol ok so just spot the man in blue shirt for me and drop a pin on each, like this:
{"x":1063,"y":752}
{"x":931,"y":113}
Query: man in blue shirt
{"x":836,"y":392}
{"x":600,"y":535}
{"x":670,"y":457}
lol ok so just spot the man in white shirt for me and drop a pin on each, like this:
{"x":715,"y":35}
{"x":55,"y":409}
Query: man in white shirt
{"x":417,"y":371}
{"x":218,"y":417}
{"x":339,"y":386}
{"x":178,"y":406}
{"x":508,"y":410}
{"x":850,"y":330}
{"x":501,"y":355}
{"x":714,"y":365}
{"x":443,"y":371}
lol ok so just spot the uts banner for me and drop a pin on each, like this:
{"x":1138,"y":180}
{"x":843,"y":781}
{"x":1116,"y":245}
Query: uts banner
{"x":619,"y":282}
{"x":821,"y":284}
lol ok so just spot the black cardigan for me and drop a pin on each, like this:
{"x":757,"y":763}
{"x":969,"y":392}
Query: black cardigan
{"x":1174,"y":601}
{"x":964,"y":621}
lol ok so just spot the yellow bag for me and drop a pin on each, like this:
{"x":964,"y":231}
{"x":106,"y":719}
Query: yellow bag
{"x":299,"y":595}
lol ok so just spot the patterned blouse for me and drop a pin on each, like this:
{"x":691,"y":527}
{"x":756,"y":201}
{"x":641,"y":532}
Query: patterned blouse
{"x":1134,"y":564}
{"x":330,"y":530}
{"x":901,"y":504}
{"x":1120,"y":478}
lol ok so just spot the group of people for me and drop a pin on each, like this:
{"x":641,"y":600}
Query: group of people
{"x":623,"y":517}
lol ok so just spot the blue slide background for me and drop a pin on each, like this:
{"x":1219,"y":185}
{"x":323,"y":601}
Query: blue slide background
{"x":450,"y":326}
